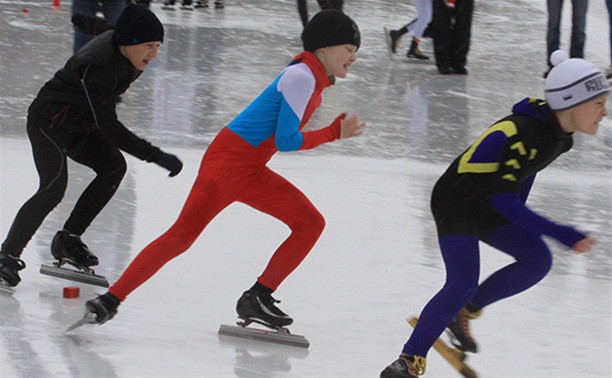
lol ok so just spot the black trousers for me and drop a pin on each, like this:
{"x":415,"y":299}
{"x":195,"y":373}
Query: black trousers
{"x":50,"y":148}
{"x":452,"y":31}
{"x":323,"y":4}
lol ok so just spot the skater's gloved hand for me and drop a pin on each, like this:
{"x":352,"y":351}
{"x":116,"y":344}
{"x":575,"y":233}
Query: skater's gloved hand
{"x":170,"y":162}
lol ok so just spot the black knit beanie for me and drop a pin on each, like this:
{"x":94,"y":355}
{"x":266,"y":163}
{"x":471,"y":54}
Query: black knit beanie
{"x":137,"y":24}
{"x":329,"y":28}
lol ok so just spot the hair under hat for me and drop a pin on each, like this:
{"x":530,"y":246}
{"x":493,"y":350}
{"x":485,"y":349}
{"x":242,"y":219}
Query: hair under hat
{"x":572,"y":82}
{"x":137,"y":24}
{"x":330,"y":27}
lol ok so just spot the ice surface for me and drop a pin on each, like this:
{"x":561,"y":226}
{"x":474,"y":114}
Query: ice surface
{"x":377,"y":261}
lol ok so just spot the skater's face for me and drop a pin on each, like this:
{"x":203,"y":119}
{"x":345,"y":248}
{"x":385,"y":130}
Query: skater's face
{"x":586,"y":117}
{"x":140,"y":55}
{"x":338,"y":59}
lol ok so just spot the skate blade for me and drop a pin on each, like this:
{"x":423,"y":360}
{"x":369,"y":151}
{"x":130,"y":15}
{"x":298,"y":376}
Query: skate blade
{"x":88,"y":318}
{"x":388,"y":42}
{"x":419,"y":61}
{"x":281,"y":336}
{"x":74,"y":275}
{"x":5,"y":288}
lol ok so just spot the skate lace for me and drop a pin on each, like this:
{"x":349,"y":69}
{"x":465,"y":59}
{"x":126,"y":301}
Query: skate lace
{"x":418,"y":364}
{"x":270,"y":302}
{"x":464,"y":321}
{"x":14,"y":262}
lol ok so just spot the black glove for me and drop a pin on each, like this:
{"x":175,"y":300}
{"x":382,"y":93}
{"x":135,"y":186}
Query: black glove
{"x":170,"y":162}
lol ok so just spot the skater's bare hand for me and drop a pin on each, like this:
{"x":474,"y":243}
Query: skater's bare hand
{"x":584,"y":245}
{"x":351,"y":127}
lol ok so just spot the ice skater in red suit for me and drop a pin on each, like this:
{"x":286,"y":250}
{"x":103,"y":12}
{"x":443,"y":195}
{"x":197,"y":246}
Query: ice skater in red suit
{"x":234,"y":169}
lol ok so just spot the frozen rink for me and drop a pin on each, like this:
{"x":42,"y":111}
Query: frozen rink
{"x":377,"y":262}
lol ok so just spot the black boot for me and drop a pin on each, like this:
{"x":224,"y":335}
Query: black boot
{"x":394,"y":39}
{"x":70,"y":247}
{"x":9,"y":268}
{"x":459,"y":328}
{"x":105,"y":307}
{"x":415,"y":52}
{"x":260,"y":305}
{"x":444,"y":69}
{"x":405,"y":367}
{"x":459,"y":70}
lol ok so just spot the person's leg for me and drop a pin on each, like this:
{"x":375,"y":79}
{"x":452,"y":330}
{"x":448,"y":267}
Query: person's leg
{"x":578,"y":39}
{"x":112,"y":9}
{"x":50,"y":161}
{"x":105,"y":159}
{"x":533,"y":262}
{"x":303,"y":11}
{"x":553,"y":33}
{"x":204,"y":202}
{"x":274,"y":195}
{"x":87,"y":8}
{"x":331,"y":4}
{"x":424,"y":14}
{"x":442,"y":35}
{"x":462,"y":34}
{"x":462,"y":262}
{"x":609,"y":5}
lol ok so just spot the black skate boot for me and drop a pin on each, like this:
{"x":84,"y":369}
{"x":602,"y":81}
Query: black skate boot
{"x":405,"y":367}
{"x":168,"y":5}
{"x":459,"y":329}
{"x":219,"y":4}
{"x":415,"y":53}
{"x":459,"y":70}
{"x":186,"y":5}
{"x":394,"y":39}
{"x":259,"y":305}
{"x":104,"y":307}
{"x":201,"y":4}
{"x":9,"y":268}
{"x":70,"y":248}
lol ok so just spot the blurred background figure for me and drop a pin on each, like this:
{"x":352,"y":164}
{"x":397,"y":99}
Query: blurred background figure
{"x":111,"y":9}
{"x":417,"y":27}
{"x":452,"y":29}
{"x":324,"y":4}
{"x":553,"y":33}
{"x":609,"y":70}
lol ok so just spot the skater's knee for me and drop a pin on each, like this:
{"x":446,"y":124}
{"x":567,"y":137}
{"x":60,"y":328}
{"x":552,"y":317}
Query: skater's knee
{"x":541,"y":264}
{"x":116,"y":174}
{"x":463,"y":286}
{"x":317,"y":221}
{"x":113,"y":171}
{"x":537,"y":258}
{"x":50,"y":196}
{"x":312,"y":221}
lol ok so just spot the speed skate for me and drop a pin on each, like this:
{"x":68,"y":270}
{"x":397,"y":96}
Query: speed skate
{"x":272,"y":334}
{"x":79,"y":273}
